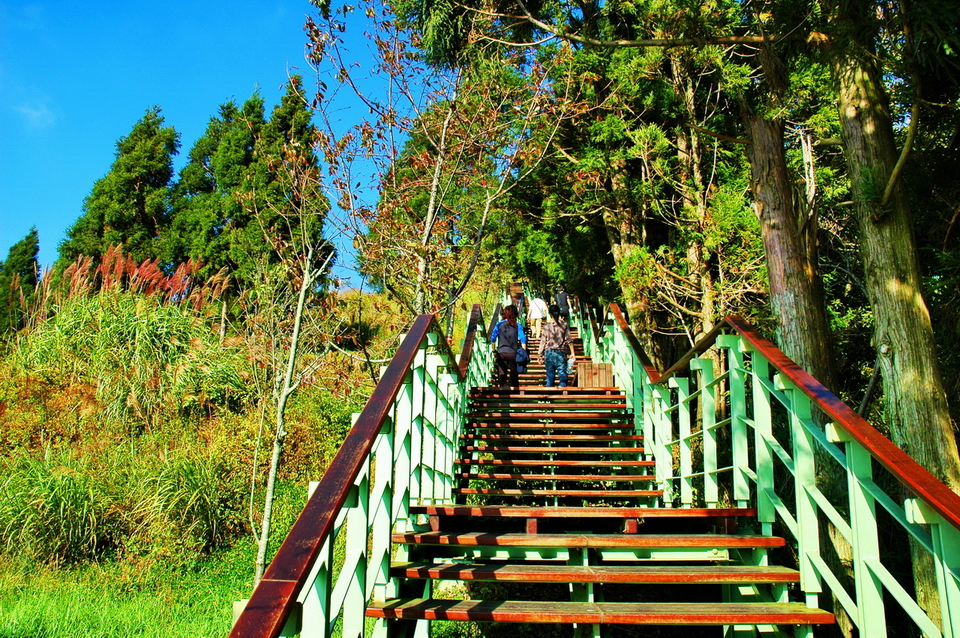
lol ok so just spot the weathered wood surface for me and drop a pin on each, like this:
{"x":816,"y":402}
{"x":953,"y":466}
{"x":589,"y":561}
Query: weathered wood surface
{"x":589,"y":540}
{"x":634,"y":574}
{"x":603,"y":613}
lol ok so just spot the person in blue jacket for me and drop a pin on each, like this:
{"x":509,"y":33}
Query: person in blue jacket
{"x":507,"y":337}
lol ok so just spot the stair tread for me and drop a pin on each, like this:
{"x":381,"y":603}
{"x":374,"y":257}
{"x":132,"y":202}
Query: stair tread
{"x":560,"y":477}
{"x":597,"y":574}
{"x":556,"y":462}
{"x":476,"y":406}
{"x":510,"y":539}
{"x":553,"y":437}
{"x":549,"y":449}
{"x":498,"y":425}
{"x":560,"y":492}
{"x":578,"y":512}
{"x":606,"y":613}
{"x":596,"y":414}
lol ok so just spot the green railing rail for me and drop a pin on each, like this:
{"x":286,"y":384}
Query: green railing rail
{"x":734,"y":423}
{"x":399,"y":451}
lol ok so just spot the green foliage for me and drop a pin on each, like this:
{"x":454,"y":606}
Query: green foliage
{"x":130,"y":205}
{"x":19,"y":275}
{"x":64,"y":510}
{"x":144,"y":359}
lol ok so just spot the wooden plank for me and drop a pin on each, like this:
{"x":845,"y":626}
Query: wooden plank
{"x":541,"y":427}
{"x":508,"y":539}
{"x":580,"y":512}
{"x":553,"y":437}
{"x":555,"y":449}
{"x":552,"y":415}
{"x":555,"y":463}
{"x":560,"y":492}
{"x":628,"y":478}
{"x":594,"y":374}
{"x":602,"y":613}
{"x":636,"y":574}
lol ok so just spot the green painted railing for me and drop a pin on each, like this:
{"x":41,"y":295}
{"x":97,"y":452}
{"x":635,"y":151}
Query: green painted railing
{"x":735,"y":423}
{"x":400,"y":451}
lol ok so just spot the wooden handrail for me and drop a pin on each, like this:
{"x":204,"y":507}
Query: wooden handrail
{"x":275,"y":595}
{"x":902,"y":466}
{"x":494,"y":320}
{"x":638,"y":351}
{"x":474,"y":326}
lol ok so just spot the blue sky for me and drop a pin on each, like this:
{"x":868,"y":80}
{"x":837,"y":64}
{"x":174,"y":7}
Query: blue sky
{"x":76,"y":76}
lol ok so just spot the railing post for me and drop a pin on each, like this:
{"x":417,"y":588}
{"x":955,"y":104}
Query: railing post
{"x":708,"y":420}
{"x":686,"y":457}
{"x":378,"y":570}
{"x":662,"y":434}
{"x":763,"y":432}
{"x":355,"y":598}
{"x":865,"y":541}
{"x":738,"y":411}
{"x":805,"y":480}
{"x":417,"y":426}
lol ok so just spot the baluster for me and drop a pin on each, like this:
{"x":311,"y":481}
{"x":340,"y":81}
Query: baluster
{"x":763,"y":429}
{"x":708,"y":420}
{"x":686,"y":457}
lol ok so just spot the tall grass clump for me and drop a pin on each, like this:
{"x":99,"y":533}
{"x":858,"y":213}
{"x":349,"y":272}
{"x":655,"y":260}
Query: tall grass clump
{"x":145,"y":359}
{"x":57,"y":511}
{"x":176,"y":507}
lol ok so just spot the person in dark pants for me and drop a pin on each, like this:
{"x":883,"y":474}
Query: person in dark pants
{"x":508,"y":336}
{"x":563,"y":302}
{"x":554,"y":342}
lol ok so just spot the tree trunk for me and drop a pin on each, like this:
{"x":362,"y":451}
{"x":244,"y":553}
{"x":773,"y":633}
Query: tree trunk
{"x":795,"y":293}
{"x":915,"y":401}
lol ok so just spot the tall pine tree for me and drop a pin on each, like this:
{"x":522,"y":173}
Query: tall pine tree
{"x":130,"y":205}
{"x":18,"y":281}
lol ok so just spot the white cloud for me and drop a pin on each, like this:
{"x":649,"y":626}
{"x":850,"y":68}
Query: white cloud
{"x":36,"y":115}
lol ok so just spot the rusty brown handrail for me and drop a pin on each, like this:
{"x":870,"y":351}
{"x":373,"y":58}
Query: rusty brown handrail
{"x":275,"y":595}
{"x":494,"y":319}
{"x":638,"y":351}
{"x":903,"y":467}
{"x":474,"y":325}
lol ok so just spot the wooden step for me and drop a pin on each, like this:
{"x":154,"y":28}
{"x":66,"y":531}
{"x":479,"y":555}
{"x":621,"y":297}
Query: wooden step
{"x":635,"y":574}
{"x":558,"y":449}
{"x":542,"y":392}
{"x":581,"y":512}
{"x":481,"y":405}
{"x":635,"y":478}
{"x":553,"y":463}
{"x":553,"y":437}
{"x":560,"y":492}
{"x":509,"y":539}
{"x":551,"y":427}
{"x":552,"y":416}
{"x":602,"y":613}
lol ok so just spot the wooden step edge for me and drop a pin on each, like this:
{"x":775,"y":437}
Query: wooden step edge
{"x":601,"y":613}
{"x":553,"y":437}
{"x":587,"y":478}
{"x":561,"y":492}
{"x":510,"y":539}
{"x":634,"y":574}
{"x":530,"y":449}
{"x":580,"y":512}
{"x":557,"y":463}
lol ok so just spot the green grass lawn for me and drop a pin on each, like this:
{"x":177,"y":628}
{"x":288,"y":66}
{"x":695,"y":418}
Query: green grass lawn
{"x":124,"y":599}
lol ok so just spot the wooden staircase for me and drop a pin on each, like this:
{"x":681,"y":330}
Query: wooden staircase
{"x":556,"y":491}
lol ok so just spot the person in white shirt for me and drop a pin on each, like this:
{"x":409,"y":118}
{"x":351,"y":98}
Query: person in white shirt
{"x":536,"y":314}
